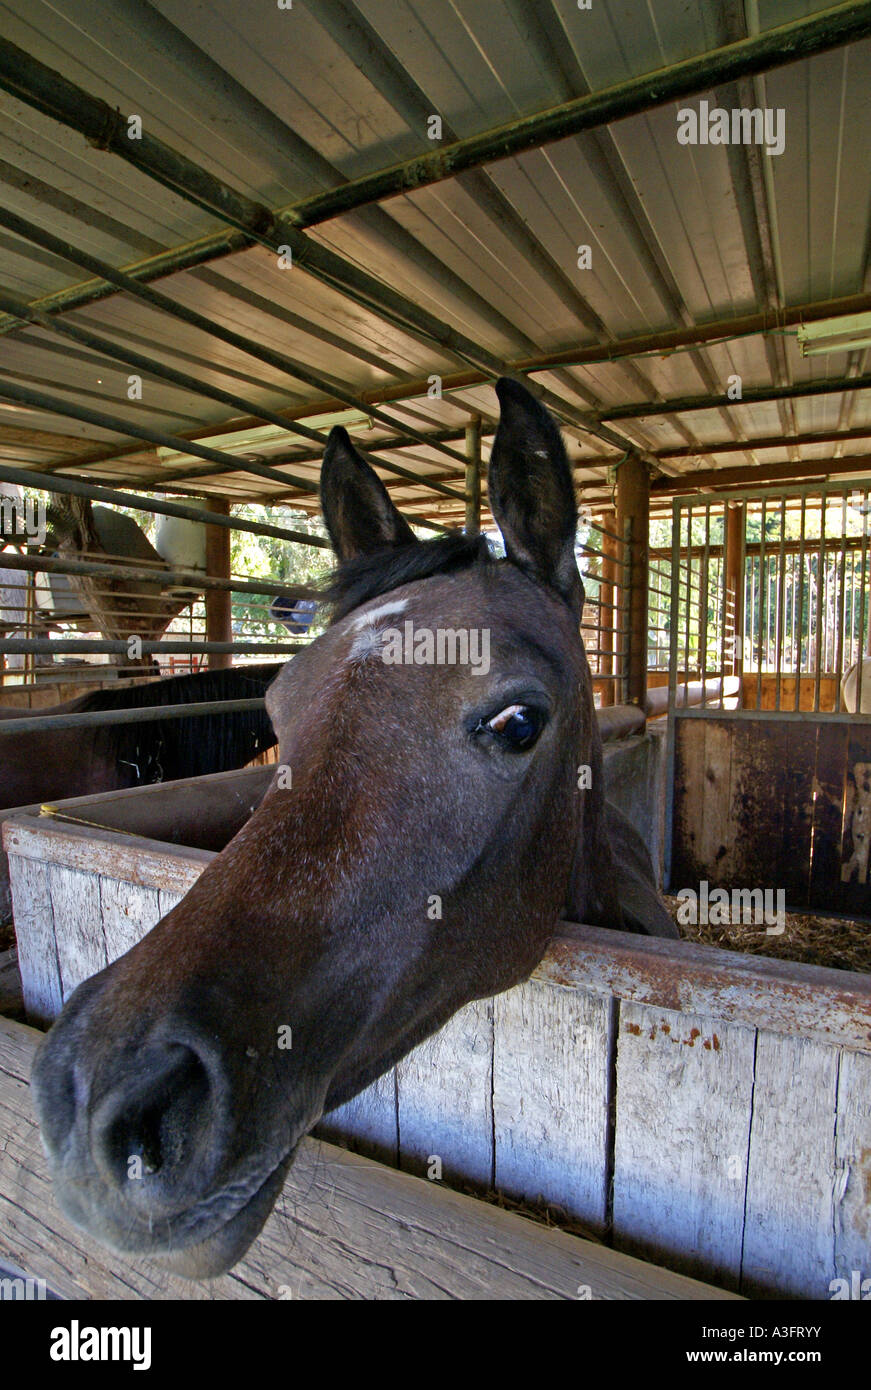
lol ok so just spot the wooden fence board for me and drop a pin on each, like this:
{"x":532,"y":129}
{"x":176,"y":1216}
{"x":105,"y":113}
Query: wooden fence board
{"x":783,"y":821}
{"x":515,"y":1092}
{"x":832,"y":1006}
{"x":852,"y":1192}
{"x":78,"y":932}
{"x":167,"y":900}
{"x":368,"y":1124}
{"x":704,"y":836}
{"x":689,"y":810}
{"x":716,"y":844}
{"x":444,"y":1094}
{"x":828,"y":811}
{"x":756,"y":807}
{"x":37,"y":952}
{"x":128,"y":911}
{"x":133,"y":858}
{"x":551,"y":1072}
{"x":792,"y":758}
{"x":788,"y":1238}
{"x":684,"y":1087}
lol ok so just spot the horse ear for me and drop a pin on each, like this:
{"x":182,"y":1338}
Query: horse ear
{"x":359,"y":514}
{"x":532,"y":495}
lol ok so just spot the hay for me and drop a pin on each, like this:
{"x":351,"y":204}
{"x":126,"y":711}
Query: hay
{"x":839,"y":943}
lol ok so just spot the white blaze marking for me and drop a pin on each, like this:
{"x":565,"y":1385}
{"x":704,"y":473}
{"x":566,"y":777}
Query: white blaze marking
{"x":368,"y":639}
{"x":397,"y":605}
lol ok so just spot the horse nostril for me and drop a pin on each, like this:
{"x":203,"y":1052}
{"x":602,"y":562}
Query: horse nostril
{"x":150,"y":1133}
{"x":152,"y":1149}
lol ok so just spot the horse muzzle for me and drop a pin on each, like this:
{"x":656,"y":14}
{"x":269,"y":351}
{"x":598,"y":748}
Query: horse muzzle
{"x":143,"y":1143}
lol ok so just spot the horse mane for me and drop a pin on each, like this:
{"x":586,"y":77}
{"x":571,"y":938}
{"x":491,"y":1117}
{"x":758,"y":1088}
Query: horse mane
{"x":169,"y":749}
{"x":354,"y":582}
{"x":235,"y":682}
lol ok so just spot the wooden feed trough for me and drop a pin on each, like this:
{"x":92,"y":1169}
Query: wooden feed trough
{"x":700,"y":1108}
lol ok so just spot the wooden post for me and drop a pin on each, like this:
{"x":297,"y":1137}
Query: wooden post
{"x":734,"y":586}
{"x":633,"y":523}
{"x":219,"y":624}
{"x":607,"y":613}
{"x":473,"y":477}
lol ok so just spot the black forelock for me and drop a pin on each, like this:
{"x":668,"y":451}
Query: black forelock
{"x":356,"y":581}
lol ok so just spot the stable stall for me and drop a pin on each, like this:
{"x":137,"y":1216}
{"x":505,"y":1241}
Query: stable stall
{"x":222,"y":241}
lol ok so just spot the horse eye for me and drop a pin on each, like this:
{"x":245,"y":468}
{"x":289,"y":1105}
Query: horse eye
{"x":517,"y":726}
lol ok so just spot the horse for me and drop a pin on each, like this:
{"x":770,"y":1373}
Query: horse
{"x":309,"y":957}
{"x":850,"y":687}
{"x":57,"y":764}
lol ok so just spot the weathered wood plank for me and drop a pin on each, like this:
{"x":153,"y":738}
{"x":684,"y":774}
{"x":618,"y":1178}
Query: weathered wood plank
{"x":812,"y":1001}
{"x":81,"y":948}
{"x":551,"y":1071}
{"x":756,"y":808}
{"x":688,"y":812}
{"x":167,"y":900}
{"x":128,"y":913}
{"x":852,"y":1192}
{"x":344,"y":1228}
{"x":703,"y":842}
{"x":633,"y":769}
{"x":715,"y":827}
{"x":201,"y":811}
{"x":779,"y":821}
{"x":828,"y":816}
{"x":149,"y":863}
{"x":34,"y":928}
{"x":793,"y":758}
{"x":832,"y":1006}
{"x":368,"y":1124}
{"x":444,"y":1095}
{"x":791,"y":1180}
{"x":684,"y":1096}
{"x":18,"y":1042}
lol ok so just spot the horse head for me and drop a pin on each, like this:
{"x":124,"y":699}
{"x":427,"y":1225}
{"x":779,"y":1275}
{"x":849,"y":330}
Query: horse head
{"x":423,"y":835}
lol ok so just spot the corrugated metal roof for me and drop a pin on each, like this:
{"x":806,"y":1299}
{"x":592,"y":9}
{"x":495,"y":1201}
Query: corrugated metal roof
{"x":283,"y":103}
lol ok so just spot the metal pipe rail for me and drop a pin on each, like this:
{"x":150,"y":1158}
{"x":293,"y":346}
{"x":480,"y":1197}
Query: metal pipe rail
{"x":174,"y":578}
{"x":32,"y":232}
{"x":41,"y":646}
{"x":98,"y":718}
{"x":774,"y":48}
{"x":110,"y":602}
{"x":280,"y":360}
{"x":751,"y":395}
{"x":602,"y":555}
{"x":53,"y":94}
{"x":75,"y":487}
